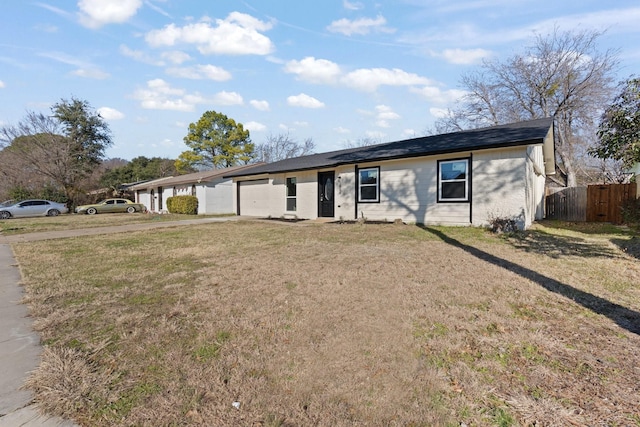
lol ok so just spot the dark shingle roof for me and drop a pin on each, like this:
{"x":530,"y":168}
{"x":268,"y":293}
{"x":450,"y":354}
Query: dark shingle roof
{"x":514,"y":134}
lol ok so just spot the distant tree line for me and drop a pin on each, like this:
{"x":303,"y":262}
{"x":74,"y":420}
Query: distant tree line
{"x":61,"y":156}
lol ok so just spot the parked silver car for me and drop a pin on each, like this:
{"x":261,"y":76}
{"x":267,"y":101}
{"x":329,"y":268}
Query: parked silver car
{"x":32,"y":207}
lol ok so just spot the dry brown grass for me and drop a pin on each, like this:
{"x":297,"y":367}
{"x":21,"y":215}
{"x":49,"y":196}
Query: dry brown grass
{"x":15,"y":226}
{"x":336,"y":325}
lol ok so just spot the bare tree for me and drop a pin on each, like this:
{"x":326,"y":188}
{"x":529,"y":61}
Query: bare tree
{"x":62,"y":149}
{"x":362,"y":142}
{"x":562,"y":75}
{"x":282,"y":147}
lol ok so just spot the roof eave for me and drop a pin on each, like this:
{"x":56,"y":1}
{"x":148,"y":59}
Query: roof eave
{"x":388,"y":158}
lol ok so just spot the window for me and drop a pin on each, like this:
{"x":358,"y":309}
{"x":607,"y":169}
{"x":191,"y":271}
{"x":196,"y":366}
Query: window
{"x":453,"y":180}
{"x":368,"y":185}
{"x":291,"y":194}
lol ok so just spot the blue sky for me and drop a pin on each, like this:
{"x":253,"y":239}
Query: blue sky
{"x":335,"y":71}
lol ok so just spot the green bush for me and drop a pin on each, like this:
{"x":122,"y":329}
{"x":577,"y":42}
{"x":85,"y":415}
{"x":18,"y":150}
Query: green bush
{"x":183,"y":205}
{"x":50,"y":193}
{"x":631,"y":211}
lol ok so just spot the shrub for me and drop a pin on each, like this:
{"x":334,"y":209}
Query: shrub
{"x":631,"y":211}
{"x":500,"y":225}
{"x":50,"y":193}
{"x":183,"y":205}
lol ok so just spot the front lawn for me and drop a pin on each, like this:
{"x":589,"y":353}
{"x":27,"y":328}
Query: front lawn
{"x":76,"y":221}
{"x":272,"y":324}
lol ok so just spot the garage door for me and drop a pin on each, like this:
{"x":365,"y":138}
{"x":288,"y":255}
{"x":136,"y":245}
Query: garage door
{"x":253,"y":197}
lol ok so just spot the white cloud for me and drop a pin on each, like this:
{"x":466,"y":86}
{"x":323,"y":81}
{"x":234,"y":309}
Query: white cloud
{"x":259,"y":105}
{"x":159,"y":95}
{"x":1,"y":84}
{"x":314,"y":70}
{"x":384,"y":114}
{"x":176,"y":56}
{"x":85,"y":69}
{"x":342,"y":130}
{"x":439,"y":113}
{"x":255,"y":127}
{"x":238,"y":34}
{"x":409,"y":133}
{"x":465,"y":56}
{"x":91,"y":73}
{"x":360,"y":26}
{"x":435,"y":94}
{"x":376,"y":135}
{"x":227,"y":98}
{"x":140,"y":56}
{"x":305,"y":101}
{"x":352,"y":5}
{"x":109,"y":113}
{"x":368,"y":79}
{"x":96,"y":13}
{"x":200,"y":72}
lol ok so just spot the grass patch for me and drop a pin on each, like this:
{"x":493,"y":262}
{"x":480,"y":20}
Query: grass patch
{"x":75,"y":221}
{"x":335,"y":324}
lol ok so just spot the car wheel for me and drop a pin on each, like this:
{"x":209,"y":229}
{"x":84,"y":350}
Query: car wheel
{"x":131,"y":209}
{"x":5,"y":215}
{"x":92,"y":211}
{"x":53,"y":212}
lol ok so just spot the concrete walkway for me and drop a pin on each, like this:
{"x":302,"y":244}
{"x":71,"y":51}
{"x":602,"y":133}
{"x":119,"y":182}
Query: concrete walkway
{"x":20,"y":348}
{"x":19,"y":351}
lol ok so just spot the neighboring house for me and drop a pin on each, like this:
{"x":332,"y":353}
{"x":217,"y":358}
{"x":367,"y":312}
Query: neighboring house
{"x":214,"y":192}
{"x":461,"y":178}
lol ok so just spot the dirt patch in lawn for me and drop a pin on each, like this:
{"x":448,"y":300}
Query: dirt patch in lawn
{"x":267,"y":324}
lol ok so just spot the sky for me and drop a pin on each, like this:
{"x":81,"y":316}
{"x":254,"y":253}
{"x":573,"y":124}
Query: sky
{"x":334,"y":71}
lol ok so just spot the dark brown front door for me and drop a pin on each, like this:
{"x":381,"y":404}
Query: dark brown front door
{"x":326,"y":194}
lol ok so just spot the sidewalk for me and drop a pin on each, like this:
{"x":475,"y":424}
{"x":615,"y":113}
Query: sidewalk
{"x":19,"y":351}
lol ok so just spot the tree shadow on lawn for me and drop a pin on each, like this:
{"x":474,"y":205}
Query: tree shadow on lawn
{"x":630,"y":247}
{"x":555,"y":246}
{"x":622,"y":316}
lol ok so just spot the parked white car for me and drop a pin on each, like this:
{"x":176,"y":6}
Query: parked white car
{"x":31,"y":207}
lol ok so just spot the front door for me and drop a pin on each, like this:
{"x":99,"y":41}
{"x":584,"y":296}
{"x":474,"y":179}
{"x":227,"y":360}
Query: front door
{"x":326,"y":194}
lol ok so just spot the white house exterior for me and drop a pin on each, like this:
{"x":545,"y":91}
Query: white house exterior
{"x":463,"y":178}
{"x":214,"y":192}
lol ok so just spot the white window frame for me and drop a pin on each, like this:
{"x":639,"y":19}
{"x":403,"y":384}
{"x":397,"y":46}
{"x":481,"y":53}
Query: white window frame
{"x":376,"y":185}
{"x":464,"y":180}
{"x":290,"y":197}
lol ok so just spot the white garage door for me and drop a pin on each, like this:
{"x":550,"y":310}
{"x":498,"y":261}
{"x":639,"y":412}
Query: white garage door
{"x":254,"y":197}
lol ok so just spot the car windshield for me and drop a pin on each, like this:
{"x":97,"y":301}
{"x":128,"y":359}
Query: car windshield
{"x":7,"y":203}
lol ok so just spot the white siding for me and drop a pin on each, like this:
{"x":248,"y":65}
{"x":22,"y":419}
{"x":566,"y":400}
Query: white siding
{"x":504,"y":183}
{"x":537,"y":178}
{"x":500,"y":185}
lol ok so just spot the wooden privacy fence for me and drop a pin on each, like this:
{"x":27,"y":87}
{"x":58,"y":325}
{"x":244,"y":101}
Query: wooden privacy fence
{"x":594,"y":203}
{"x":568,"y":204}
{"x":604,"y":201}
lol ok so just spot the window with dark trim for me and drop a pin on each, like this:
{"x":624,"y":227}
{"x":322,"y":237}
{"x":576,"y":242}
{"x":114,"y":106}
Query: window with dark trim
{"x":291,"y":194}
{"x":453,"y":180}
{"x":369,"y":185}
